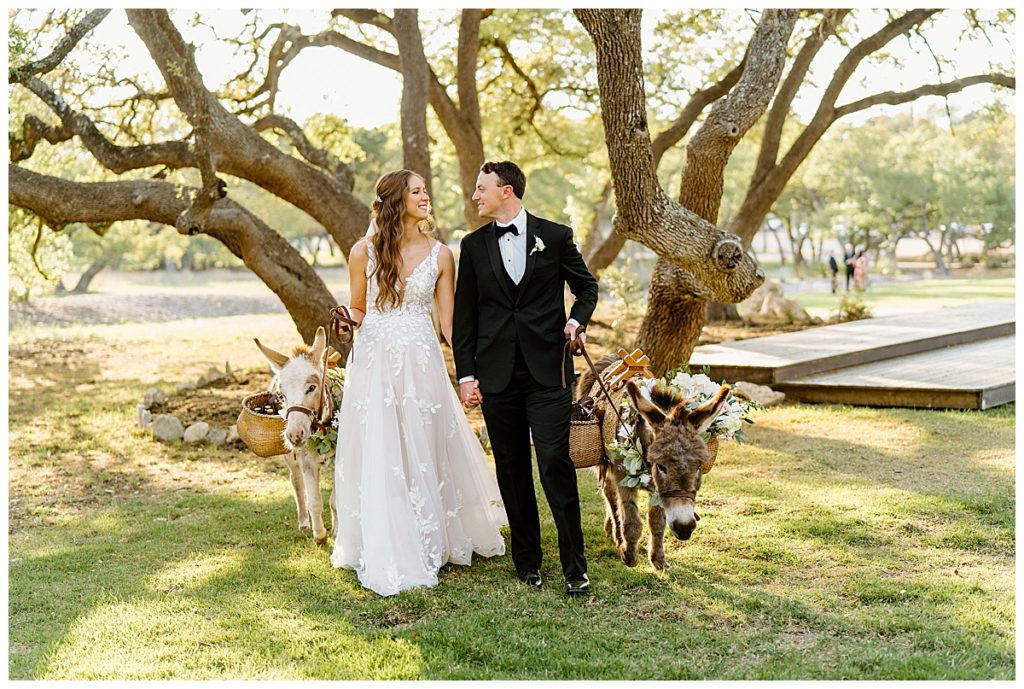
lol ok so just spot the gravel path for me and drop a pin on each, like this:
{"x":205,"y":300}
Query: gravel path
{"x":93,"y":309}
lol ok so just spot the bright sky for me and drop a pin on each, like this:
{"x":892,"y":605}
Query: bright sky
{"x":331,"y":80}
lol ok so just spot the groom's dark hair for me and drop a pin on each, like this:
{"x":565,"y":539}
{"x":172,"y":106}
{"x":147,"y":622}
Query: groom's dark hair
{"x":508,"y":173}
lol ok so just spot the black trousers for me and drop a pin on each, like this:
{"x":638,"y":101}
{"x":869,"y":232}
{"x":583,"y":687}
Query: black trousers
{"x":522,"y":408}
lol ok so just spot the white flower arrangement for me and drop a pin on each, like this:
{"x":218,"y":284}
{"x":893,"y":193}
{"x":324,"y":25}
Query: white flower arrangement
{"x":538,"y":245}
{"x":700,"y":388}
{"x":626,"y":452}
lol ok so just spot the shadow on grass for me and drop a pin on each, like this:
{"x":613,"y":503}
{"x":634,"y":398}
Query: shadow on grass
{"x":932,"y":455}
{"x":204,"y":586}
{"x":779,"y":582}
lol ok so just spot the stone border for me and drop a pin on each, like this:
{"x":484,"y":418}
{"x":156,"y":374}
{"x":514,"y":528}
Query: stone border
{"x":167,"y":427}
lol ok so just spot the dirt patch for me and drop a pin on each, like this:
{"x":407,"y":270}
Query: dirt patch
{"x":216,"y":403}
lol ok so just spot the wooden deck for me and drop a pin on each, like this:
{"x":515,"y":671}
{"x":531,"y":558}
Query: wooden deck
{"x":783,"y":358}
{"x":972,"y":376}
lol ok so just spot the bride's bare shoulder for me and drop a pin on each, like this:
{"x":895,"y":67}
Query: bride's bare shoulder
{"x":444,"y":254}
{"x":359,"y":251}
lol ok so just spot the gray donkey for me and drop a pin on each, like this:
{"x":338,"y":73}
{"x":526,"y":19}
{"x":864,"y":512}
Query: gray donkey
{"x":677,"y":456}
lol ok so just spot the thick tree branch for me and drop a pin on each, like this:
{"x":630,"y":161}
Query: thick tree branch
{"x":710,"y":148}
{"x":616,"y":36}
{"x":465,"y":70}
{"x":372,"y":17}
{"x":416,"y":77}
{"x":62,"y":202}
{"x":197,"y":111}
{"x":645,"y":213}
{"x":678,"y":292}
{"x":790,"y":86}
{"x":762,"y":195}
{"x":244,"y":153}
{"x":462,"y":128}
{"x":119,"y":159}
{"x":317,"y":156}
{"x":898,"y":97}
{"x":22,"y":145}
{"x":65,"y":46}
{"x":694,"y":107}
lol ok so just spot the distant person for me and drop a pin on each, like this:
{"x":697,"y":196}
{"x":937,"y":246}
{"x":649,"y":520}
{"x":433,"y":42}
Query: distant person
{"x":860,"y":271}
{"x":848,"y":257}
{"x":833,"y":269}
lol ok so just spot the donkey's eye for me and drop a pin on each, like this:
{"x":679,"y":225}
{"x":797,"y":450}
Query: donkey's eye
{"x":310,"y":389}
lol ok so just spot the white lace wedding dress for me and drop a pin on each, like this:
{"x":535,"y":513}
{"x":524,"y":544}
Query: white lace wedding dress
{"x":413,"y":489}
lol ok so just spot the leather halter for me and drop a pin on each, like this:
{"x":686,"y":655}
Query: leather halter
{"x":692,"y":495}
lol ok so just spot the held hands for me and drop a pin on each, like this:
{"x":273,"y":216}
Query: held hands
{"x":470,"y":394}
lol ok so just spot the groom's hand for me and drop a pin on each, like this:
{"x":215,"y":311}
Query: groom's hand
{"x":574,"y":331}
{"x":470,"y":393}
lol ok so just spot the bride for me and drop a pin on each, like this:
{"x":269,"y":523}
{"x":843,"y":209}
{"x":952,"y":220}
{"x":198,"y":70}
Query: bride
{"x":413,"y":490}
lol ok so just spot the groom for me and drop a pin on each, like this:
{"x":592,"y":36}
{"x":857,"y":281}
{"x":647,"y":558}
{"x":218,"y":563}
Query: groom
{"x":509,"y":332}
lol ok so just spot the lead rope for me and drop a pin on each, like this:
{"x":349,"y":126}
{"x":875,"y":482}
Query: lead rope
{"x":326,"y":398}
{"x":577,"y":348}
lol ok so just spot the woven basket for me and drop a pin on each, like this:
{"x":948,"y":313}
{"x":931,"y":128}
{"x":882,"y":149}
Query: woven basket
{"x":586,"y":448}
{"x":587,"y":439}
{"x":262,"y":433}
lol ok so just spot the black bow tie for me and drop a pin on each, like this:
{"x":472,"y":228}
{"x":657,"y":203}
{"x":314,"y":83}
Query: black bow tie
{"x":501,"y":230}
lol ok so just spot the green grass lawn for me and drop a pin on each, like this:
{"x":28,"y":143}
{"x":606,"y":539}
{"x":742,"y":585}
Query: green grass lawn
{"x":838,"y":543}
{"x":918,"y":294}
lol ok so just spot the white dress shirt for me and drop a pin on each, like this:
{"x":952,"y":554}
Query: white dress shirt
{"x":512,"y":246}
{"x":513,"y":257}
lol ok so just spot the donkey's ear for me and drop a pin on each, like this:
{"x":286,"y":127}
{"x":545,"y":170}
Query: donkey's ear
{"x":705,"y":414}
{"x":319,"y":342}
{"x":277,"y":359}
{"x":649,"y":410}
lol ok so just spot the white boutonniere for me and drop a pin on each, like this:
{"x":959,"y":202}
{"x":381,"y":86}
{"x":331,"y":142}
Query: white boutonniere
{"x":538,"y":245}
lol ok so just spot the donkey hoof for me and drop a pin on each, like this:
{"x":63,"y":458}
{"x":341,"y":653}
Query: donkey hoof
{"x":629,"y":559}
{"x":304,"y":527}
{"x":659,"y":565}
{"x":321,"y":539}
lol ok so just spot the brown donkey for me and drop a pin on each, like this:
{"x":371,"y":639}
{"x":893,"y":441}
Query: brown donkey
{"x":677,"y":456}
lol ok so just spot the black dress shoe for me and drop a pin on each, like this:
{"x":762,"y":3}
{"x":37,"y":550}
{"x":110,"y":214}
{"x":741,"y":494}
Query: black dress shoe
{"x":577,"y":586}
{"x":531,"y":577}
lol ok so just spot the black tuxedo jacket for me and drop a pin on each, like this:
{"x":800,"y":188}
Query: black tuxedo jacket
{"x":489,"y":320}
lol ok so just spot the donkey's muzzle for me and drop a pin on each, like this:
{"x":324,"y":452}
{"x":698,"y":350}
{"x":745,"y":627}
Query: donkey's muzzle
{"x":682,"y":530}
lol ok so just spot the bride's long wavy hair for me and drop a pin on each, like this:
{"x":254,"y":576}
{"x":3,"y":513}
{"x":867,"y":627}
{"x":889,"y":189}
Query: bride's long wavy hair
{"x":388,"y":209}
